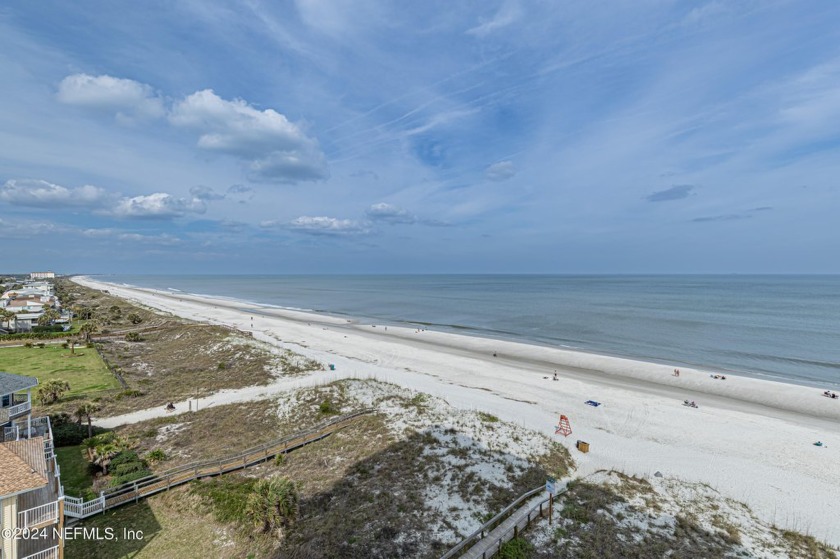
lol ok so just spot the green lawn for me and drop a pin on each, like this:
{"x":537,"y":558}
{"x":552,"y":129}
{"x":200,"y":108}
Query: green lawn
{"x":85,"y":371}
{"x":75,"y":475}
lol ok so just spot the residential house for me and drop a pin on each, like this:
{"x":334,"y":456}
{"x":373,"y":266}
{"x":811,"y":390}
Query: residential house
{"x":31,"y":495}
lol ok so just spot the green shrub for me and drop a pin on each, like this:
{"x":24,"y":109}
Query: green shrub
{"x":71,"y":434}
{"x":327,"y":408}
{"x":32,"y":336}
{"x":280,"y":459}
{"x":129,"y":393}
{"x":133,"y":337}
{"x":157,"y":455}
{"x":221,"y":366}
{"x":135,"y":318}
{"x":134,"y":476}
{"x":27,"y":344}
{"x":127,"y":468}
{"x":517,"y":548}
{"x":124,"y":457}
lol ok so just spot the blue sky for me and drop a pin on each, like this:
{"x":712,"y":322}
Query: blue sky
{"x":333,"y":136}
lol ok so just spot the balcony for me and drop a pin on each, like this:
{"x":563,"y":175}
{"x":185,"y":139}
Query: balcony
{"x":11,"y":412}
{"x":38,"y":517}
{"x":21,"y":429}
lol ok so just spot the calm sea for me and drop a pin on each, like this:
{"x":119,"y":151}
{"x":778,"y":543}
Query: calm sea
{"x":781,"y":327}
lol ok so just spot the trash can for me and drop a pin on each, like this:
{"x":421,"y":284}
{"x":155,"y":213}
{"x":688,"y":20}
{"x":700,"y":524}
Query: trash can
{"x":332,"y":367}
{"x":583,"y":446}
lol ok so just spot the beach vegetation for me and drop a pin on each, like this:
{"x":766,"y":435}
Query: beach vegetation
{"x":67,"y":432}
{"x":273,"y":504}
{"x":487,"y":417}
{"x":85,"y":411}
{"x":88,"y":329}
{"x":327,"y":408}
{"x":156,"y":455}
{"x":517,"y":548}
{"x":804,"y":546}
{"x":133,"y":337}
{"x":52,"y":391}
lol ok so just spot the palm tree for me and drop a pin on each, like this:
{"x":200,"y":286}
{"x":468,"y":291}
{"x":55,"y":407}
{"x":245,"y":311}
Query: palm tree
{"x":49,"y":316}
{"x":85,"y":411}
{"x":87,"y":329}
{"x":7,"y":317}
{"x":52,"y":390}
{"x":273,"y":504}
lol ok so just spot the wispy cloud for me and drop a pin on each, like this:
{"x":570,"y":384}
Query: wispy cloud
{"x":509,"y":13}
{"x":159,"y":205}
{"x":501,"y":171}
{"x":747,"y":214}
{"x":389,"y":213}
{"x":676,"y":192}
{"x":43,"y":194}
{"x":320,"y":225}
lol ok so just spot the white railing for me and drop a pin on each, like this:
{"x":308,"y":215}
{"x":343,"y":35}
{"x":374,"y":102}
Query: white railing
{"x":79,"y":508}
{"x":38,"y":516}
{"x":51,"y":553}
{"x":19,"y":408}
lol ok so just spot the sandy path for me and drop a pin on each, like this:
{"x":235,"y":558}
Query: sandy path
{"x":750,"y":439}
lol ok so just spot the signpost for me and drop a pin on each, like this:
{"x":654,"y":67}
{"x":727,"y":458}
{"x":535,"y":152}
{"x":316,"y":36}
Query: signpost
{"x":550,"y":483}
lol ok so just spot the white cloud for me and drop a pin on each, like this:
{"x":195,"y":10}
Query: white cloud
{"x":43,"y":194}
{"x":322,"y":226}
{"x":127,"y":98}
{"x":159,"y":205}
{"x":500,"y":171}
{"x":507,"y":14}
{"x":389,"y":214}
{"x":276,"y":150}
{"x":27,"y":229}
{"x":107,"y":233}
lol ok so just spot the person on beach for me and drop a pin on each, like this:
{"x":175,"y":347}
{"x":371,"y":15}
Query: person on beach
{"x":555,"y":375}
{"x":676,"y":372}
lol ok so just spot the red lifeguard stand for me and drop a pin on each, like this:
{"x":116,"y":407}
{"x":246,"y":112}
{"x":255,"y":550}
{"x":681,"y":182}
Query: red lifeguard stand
{"x":564,"y":428}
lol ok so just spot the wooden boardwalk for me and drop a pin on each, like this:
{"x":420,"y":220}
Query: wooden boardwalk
{"x":136,"y":490}
{"x":510,"y":528}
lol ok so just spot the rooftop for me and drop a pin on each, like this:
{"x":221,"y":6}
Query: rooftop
{"x":24,"y":466}
{"x":13,"y":383}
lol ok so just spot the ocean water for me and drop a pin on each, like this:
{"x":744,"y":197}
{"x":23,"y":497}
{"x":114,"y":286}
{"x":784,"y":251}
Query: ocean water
{"x":779,"y":327}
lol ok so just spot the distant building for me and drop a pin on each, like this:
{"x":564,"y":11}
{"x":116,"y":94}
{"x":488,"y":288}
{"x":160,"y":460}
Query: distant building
{"x":31,"y":496}
{"x":42,"y":275}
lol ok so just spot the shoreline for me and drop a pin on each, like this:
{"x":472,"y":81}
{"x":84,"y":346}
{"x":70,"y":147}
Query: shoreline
{"x":750,"y":438}
{"x":497,"y":335}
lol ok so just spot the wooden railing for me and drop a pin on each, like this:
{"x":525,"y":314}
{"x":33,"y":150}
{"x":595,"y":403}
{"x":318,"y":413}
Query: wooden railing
{"x":495,"y":546}
{"x":490,"y":525}
{"x":144,"y":487}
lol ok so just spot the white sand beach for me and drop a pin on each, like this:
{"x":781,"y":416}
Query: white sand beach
{"x":750,"y":439}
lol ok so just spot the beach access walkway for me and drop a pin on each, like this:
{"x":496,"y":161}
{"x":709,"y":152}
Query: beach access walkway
{"x":488,"y":540}
{"x":133,"y":491}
